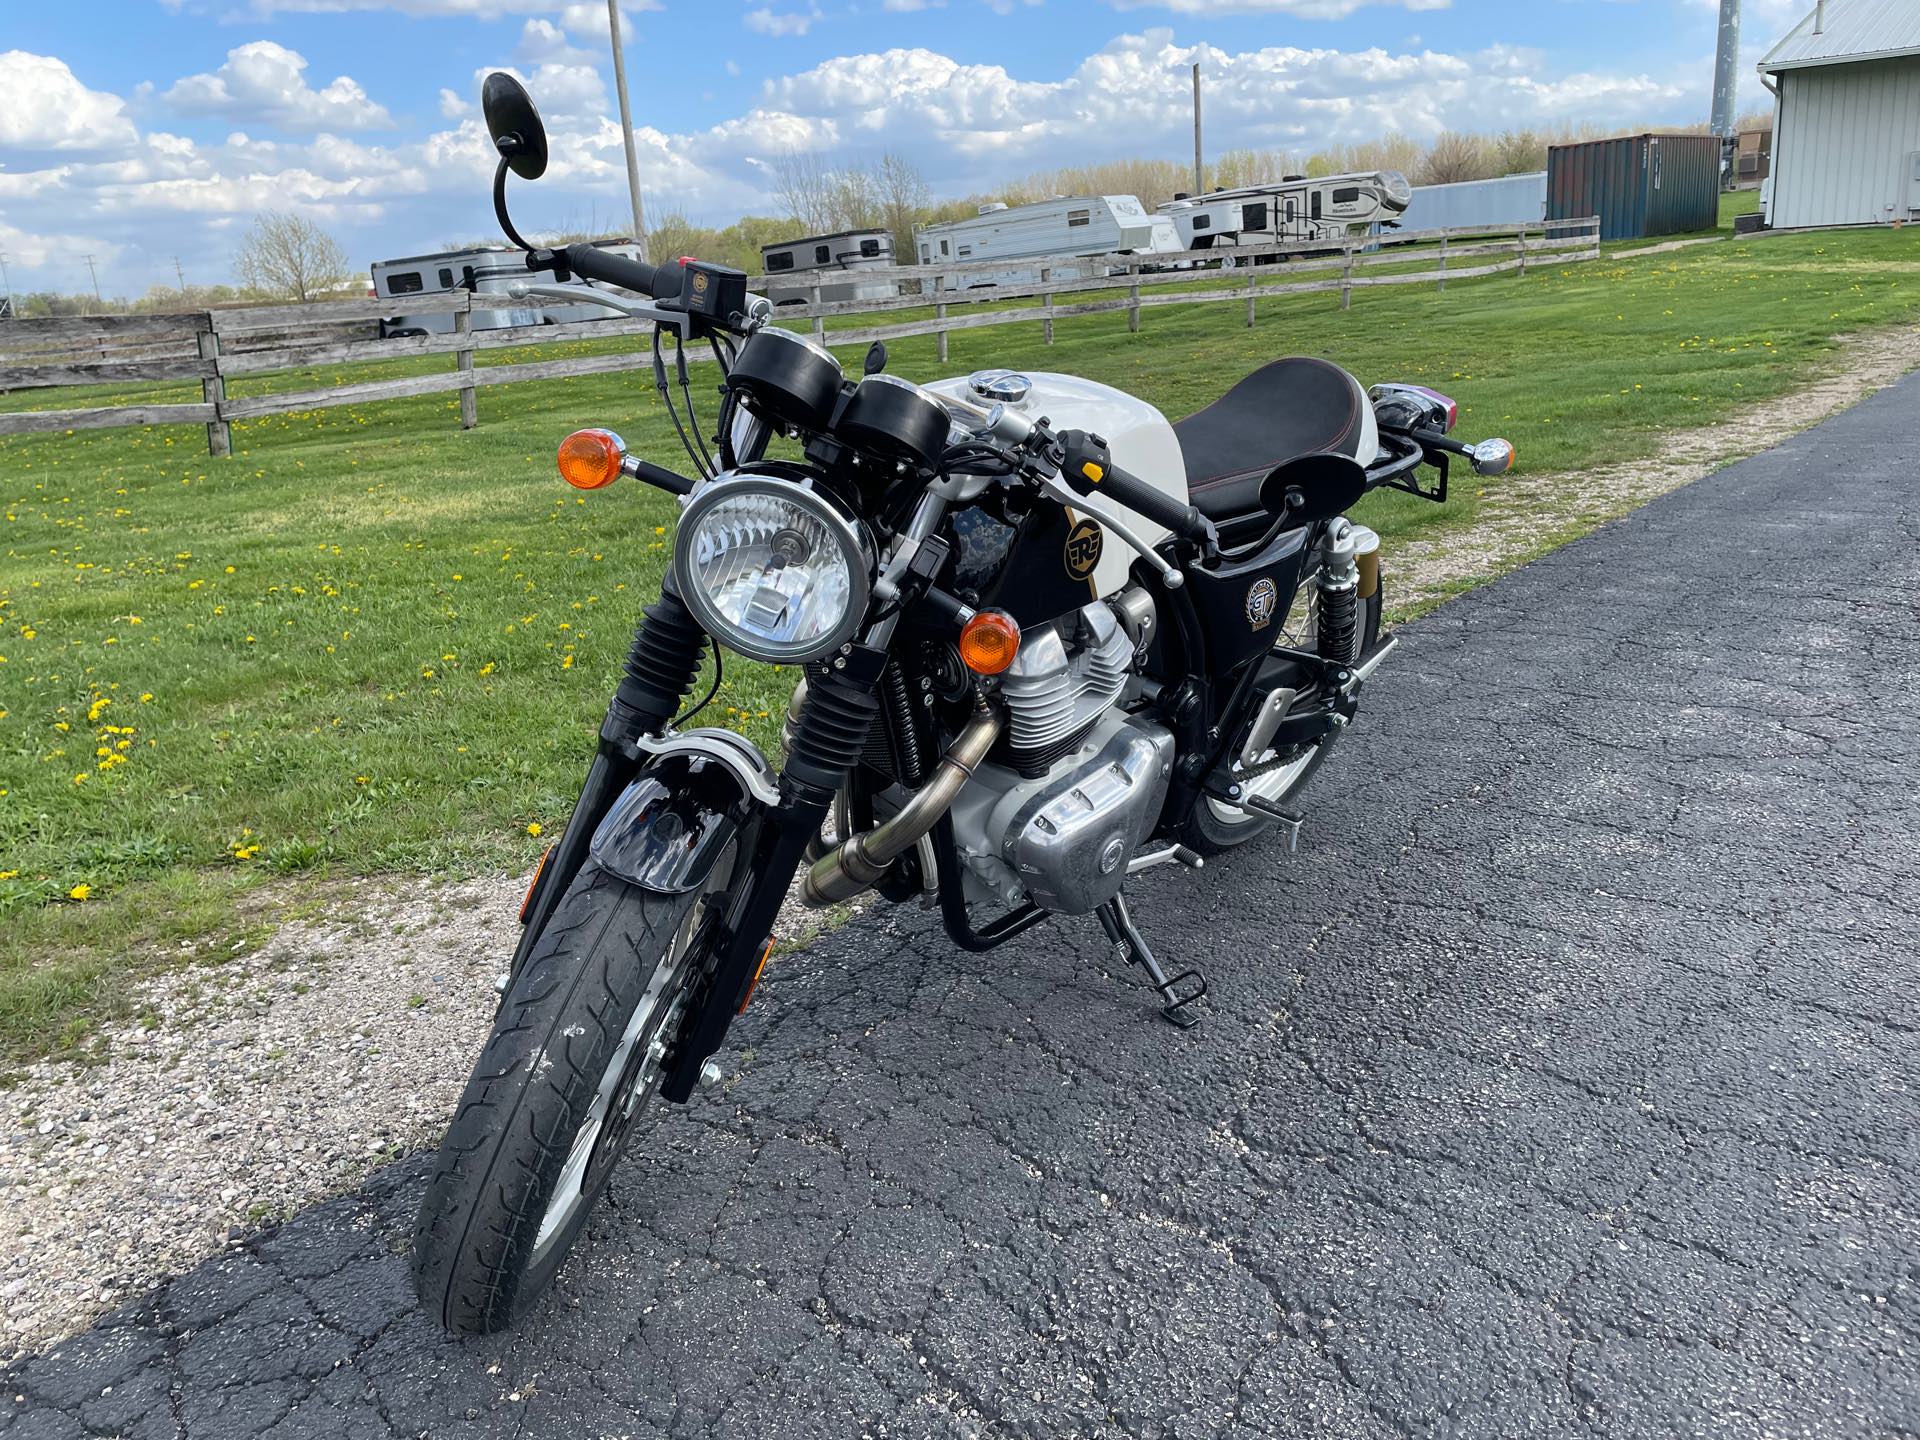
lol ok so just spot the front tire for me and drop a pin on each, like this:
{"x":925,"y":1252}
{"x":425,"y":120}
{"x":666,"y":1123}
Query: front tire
{"x":570,"y":1066}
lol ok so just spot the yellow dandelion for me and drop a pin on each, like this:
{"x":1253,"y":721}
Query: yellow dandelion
{"x":533,"y":827}
{"x":80,"y":892}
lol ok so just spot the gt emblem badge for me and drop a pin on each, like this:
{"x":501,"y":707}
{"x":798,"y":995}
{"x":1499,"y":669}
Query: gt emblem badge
{"x":1084,"y":543}
{"x":1263,"y":598}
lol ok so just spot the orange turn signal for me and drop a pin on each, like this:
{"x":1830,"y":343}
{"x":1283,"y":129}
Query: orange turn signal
{"x":754,"y":983}
{"x":590,"y":459}
{"x":989,"y":641}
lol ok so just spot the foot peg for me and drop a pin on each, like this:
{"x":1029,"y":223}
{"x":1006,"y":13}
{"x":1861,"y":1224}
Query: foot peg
{"x":1179,"y":992}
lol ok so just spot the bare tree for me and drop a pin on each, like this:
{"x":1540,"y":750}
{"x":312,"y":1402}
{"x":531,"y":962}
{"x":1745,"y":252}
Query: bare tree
{"x":903,"y":198}
{"x":1454,"y":157}
{"x":290,"y":256}
{"x":804,"y":187}
{"x":1518,"y":152}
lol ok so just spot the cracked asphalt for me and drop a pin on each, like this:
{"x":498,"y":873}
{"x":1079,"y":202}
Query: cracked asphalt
{"x":1564,"y":1084}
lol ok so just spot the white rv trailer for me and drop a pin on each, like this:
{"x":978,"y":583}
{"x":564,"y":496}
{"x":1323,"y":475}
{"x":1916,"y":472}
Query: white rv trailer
{"x":794,"y":267}
{"x":486,"y":270}
{"x":1498,"y":204}
{"x":1062,"y":228}
{"x":1310,"y":212}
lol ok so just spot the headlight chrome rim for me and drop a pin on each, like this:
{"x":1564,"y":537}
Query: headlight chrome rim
{"x":855,"y":552}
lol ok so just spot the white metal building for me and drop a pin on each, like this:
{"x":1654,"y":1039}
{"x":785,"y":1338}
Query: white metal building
{"x":1846,"y":133}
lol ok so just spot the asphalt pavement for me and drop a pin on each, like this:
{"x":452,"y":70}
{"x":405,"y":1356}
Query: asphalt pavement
{"x":1566,"y":1083}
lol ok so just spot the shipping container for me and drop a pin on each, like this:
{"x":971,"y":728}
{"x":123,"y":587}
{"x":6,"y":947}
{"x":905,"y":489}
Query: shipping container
{"x":1499,"y":204}
{"x":1639,"y":185}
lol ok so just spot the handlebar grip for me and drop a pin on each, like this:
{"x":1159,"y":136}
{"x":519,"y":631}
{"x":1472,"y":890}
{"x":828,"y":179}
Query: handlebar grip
{"x":1158,"y":506}
{"x":662,"y":282}
{"x":1088,"y":467}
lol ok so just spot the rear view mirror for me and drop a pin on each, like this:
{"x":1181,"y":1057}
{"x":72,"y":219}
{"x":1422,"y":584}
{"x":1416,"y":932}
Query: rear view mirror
{"x":514,"y":124}
{"x":1313,"y":487}
{"x":1491,"y":457}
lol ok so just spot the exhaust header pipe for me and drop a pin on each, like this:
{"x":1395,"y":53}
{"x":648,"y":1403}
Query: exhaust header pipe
{"x":858,"y":863}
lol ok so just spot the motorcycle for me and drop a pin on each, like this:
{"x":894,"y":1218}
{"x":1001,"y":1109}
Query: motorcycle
{"x":1047,"y":640}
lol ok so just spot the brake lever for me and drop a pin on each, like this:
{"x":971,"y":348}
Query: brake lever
{"x":1098,"y":506}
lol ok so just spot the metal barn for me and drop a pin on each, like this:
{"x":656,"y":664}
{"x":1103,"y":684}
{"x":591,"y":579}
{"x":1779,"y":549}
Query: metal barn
{"x":1637,"y":184}
{"x":1846,"y":116}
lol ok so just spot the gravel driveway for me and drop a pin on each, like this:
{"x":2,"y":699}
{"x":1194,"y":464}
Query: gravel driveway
{"x":1564,"y":1084}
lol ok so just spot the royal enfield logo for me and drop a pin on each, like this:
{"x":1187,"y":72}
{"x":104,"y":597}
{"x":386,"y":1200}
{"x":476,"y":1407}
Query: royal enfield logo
{"x":1084,"y":543}
{"x":1263,"y":598}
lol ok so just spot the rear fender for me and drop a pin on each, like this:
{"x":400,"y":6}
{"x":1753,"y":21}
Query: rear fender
{"x":671,"y":825}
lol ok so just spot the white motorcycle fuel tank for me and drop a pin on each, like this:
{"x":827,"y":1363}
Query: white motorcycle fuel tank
{"x":1141,"y":439}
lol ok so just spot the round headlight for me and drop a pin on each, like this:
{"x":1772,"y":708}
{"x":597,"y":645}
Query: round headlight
{"x":771,"y":568}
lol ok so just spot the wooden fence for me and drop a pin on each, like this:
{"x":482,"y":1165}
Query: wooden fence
{"x":214,"y":346}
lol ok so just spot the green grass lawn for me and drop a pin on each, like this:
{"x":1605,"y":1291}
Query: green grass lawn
{"x":370,"y":642}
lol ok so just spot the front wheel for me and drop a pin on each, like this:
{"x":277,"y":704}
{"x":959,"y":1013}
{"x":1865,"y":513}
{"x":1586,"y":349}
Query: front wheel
{"x":578,"y":1048}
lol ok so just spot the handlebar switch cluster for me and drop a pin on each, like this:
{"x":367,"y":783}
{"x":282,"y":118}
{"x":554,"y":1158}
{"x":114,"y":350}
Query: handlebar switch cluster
{"x":714,"y":293}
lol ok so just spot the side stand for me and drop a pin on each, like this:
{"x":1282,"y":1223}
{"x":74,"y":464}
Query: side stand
{"x":1179,"y":992}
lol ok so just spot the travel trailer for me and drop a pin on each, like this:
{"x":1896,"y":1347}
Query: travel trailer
{"x":486,"y":270}
{"x":1064,"y":228}
{"x":794,"y":267}
{"x":1496,"y":204}
{"x":1312,"y":212}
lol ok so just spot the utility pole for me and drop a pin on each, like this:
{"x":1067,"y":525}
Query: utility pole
{"x":182,"y":274}
{"x":1726,"y":63}
{"x":6,"y":284}
{"x":96,"y":281}
{"x":626,"y":126}
{"x":1199,"y":170}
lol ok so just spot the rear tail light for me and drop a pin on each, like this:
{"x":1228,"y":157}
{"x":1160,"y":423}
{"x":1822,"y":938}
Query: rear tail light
{"x":1440,"y":409}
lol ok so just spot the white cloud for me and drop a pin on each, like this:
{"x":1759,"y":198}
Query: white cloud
{"x":908,"y":7}
{"x":452,"y":106}
{"x":43,"y":107}
{"x":1303,"y":9}
{"x":262,"y":81}
{"x":766,"y":21}
{"x":588,"y":18}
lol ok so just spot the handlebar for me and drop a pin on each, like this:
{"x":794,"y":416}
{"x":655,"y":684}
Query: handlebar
{"x":1088,"y":467}
{"x":662,"y":282}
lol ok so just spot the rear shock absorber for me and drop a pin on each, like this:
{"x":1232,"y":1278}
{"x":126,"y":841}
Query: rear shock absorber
{"x":1337,"y":631}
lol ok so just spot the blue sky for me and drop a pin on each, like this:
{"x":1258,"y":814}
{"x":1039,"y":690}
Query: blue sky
{"x":142,"y":130}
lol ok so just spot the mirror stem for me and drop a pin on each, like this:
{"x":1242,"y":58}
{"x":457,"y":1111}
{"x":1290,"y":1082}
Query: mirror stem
{"x":500,"y":206}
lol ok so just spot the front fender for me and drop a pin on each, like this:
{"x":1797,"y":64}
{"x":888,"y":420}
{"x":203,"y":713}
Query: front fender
{"x":671,"y":825}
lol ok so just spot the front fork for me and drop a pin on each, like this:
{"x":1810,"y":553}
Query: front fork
{"x":842,"y":701}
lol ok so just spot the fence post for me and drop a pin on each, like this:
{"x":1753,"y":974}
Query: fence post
{"x":1443,"y":263}
{"x":1133,"y":298}
{"x":1520,"y":241}
{"x":1253,"y":288}
{"x":1046,"y":325}
{"x":1346,"y":276}
{"x":819,"y":320}
{"x":463,"y":362}
{"x":940,"y":313}
{"x":213,"y":390}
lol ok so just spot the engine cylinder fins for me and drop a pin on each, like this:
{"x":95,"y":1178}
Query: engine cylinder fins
{"x":1054,"y":693}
